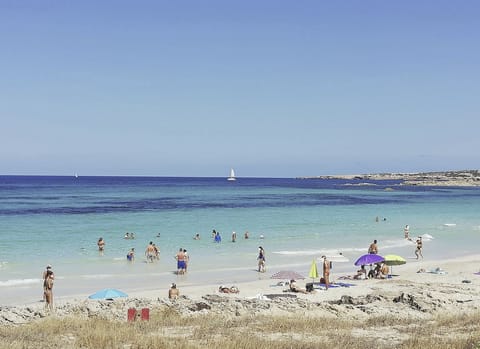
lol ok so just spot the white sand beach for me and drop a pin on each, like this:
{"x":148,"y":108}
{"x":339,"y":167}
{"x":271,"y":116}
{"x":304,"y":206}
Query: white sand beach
{"x":445,"y":286}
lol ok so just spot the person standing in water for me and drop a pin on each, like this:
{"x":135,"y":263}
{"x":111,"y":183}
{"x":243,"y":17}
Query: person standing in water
{"x":406,"y":232}
{"x":181,"y":266}
{"x":101,"y":245}
{"x":131,"y":255}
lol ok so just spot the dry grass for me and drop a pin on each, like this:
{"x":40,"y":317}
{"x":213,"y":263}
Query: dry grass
{"x":167,"y":329}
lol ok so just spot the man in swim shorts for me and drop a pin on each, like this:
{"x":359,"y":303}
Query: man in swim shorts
{"x":150,"y":252}
{"x":180,"y":257}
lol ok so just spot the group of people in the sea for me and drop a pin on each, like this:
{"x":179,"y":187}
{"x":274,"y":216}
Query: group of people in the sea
{"x":218,"y":238}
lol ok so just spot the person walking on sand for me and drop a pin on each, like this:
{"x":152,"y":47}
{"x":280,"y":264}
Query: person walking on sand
{"x":326,"y":271}
{"x":418,"y":250}
{"x":48,"y":287}
{"x":373,"y":248}
{"x":261,"y":260}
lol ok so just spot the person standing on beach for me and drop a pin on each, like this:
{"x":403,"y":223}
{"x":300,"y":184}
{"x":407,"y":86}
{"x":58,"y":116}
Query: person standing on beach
{"x":406,"y":232}
{"x":418,"y":250}
{"x":44,"y":276}
{"x":48,"y":287}
{"x":373,"y":248}
{"x":326,"y":271}
{"x":101,"y":245}
{"x":261,"y":260}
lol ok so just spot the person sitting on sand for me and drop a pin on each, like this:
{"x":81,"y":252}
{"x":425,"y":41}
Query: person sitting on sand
{"x":383,"y":272}
{"x":224,"y":289}
{"x":173,"y":292}
{"x":295,"y":288}
{"x":361,"y":273}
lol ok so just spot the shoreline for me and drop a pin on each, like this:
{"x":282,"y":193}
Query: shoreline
{"x":418,"y":295}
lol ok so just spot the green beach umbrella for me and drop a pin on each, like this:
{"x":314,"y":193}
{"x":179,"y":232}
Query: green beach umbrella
{"x":393,"y":259}
{"x":313,"y":270}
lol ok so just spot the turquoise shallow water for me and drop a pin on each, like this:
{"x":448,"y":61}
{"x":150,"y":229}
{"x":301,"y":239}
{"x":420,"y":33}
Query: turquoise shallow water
{"x":58,"y":220}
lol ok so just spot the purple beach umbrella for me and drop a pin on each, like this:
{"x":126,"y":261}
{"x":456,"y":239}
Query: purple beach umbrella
{"x":369,"y":259}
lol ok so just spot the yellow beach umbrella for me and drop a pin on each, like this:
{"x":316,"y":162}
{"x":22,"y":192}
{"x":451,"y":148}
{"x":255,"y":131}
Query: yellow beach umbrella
{"x":313,"y":270}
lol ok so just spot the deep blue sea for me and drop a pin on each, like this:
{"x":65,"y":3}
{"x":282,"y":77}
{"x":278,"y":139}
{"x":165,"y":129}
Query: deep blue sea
{"x":58,"y":220}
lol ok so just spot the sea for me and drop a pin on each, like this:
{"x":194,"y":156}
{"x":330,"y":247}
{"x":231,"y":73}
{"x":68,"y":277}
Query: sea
{"x":58,"y":220}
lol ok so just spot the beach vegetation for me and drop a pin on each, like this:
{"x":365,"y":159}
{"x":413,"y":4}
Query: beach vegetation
{"x":169,"y":329}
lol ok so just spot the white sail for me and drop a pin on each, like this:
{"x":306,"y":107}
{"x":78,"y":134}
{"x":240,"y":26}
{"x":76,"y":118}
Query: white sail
{"x":232,"y":175}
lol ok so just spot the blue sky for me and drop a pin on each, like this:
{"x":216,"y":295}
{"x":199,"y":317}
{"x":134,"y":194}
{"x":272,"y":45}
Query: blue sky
{"x":272,"y":88}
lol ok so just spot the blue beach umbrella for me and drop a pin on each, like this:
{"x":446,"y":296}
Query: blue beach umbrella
{"x":108,"y":293}
{"x":369,"y":259}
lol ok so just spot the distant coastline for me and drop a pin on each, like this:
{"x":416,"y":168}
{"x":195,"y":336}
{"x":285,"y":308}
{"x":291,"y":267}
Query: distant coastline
{"x":462,"y":178}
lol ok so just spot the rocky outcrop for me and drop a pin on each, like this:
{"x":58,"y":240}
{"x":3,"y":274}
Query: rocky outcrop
{"x":463,"y":178}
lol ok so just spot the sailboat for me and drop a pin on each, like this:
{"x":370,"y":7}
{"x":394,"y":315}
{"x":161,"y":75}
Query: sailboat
{"x":232,"y":175}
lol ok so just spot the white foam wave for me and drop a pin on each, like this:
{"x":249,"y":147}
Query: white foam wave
{"x":427,"y":237}
{"x":449,"y":224}
{"x":330,"y":252}
{"x":97,"y":276}
{"x":19,"y":282}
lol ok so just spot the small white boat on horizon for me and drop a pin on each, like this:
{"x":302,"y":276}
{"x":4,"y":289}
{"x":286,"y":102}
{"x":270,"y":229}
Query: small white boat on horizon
{"x":232,"y":175}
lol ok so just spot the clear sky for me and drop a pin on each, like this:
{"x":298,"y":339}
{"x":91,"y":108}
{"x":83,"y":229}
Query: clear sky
{"x":272,"y":88}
